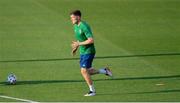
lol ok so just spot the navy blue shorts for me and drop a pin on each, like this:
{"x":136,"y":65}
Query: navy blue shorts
{"x":86,"y":60}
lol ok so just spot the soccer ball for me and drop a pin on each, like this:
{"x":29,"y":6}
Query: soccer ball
{"x":11,"y":79}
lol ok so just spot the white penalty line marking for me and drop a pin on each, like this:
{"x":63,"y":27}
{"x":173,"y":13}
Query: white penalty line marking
{"x":18,"y":99}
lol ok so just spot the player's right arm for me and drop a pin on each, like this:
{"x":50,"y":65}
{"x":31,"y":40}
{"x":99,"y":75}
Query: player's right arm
{"x":74,"y":48}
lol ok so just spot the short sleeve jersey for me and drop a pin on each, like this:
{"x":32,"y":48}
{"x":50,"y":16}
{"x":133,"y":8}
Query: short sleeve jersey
{"x":82,"y":33}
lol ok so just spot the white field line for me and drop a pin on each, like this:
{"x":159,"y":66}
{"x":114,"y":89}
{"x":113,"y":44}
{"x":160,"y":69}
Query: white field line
{"x":18,"y":99}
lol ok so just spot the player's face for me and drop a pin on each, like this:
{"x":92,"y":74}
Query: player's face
{"x":74,"y":19}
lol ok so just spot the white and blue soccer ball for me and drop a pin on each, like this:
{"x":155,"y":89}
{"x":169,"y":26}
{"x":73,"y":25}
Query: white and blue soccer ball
{"x":11,"y":79}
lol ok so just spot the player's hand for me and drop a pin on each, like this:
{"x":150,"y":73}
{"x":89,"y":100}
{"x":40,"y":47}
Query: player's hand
{"x":73,"y":51}
{"x":74,"y":46}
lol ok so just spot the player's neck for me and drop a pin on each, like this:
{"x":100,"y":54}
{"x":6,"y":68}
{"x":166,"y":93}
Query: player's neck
{"x":79,"y":22}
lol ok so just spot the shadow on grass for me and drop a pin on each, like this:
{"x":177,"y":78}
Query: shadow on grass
{"x":143,"y":78}
{"x":100,"y":57}
{"x":42,"y":82}
{"x":76,"y":81}
{"x":1,"y":94}
{"x":149,"y":92}
{"x":160,"y":91}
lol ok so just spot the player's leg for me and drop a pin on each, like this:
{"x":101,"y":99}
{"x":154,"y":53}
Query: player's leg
{"x":86,"y":76}
{"x":85,"y":64}
{"x":105,"y":71}
{"x":93,"y":71}
{"x":89,"y":82}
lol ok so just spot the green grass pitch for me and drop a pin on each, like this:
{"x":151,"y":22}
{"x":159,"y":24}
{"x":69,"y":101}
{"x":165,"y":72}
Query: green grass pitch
{"x":138,"y":39}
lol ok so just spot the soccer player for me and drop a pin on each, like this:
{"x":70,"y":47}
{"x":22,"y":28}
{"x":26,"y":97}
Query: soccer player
{"x":85,"y":41}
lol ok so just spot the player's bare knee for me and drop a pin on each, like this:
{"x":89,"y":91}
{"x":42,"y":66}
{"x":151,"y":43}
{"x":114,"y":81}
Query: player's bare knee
{"x":83,"y":70}
{"x":90,"y":71}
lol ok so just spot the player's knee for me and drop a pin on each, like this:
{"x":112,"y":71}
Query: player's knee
{"x":90,"y":71}
{"x":84,"y":71}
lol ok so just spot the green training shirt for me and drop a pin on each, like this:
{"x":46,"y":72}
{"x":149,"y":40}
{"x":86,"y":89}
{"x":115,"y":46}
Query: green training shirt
{"x":82,"y":33}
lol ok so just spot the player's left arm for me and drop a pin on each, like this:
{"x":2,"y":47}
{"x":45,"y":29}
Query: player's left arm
{"x":89,"y":36}
{"x":90,"y":40}
{"x":76,"y":44}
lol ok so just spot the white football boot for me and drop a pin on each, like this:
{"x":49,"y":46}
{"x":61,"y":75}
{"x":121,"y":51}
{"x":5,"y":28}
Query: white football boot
{"x":90,"y":94}
{"x":108,"y":72}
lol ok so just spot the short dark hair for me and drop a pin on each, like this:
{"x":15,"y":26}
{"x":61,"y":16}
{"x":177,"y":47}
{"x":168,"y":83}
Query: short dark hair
{"x":76,"y":13}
